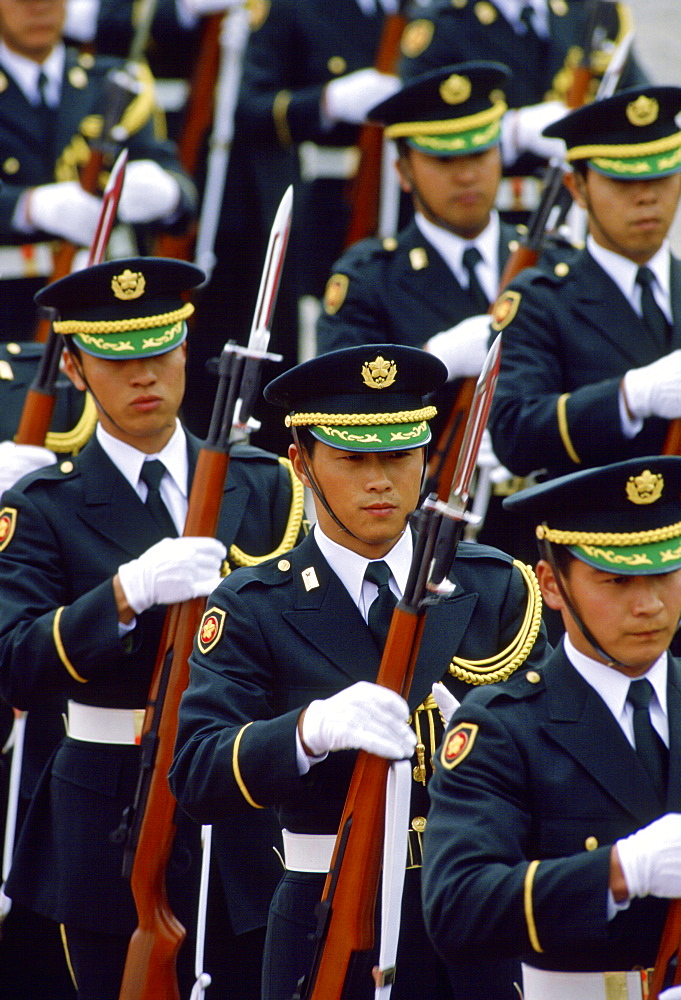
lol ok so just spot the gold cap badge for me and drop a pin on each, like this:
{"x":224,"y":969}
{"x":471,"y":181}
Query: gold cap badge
{"x":128,"y":284}
{"x":646,"y":488}
{"x":455,"y":89}
{"x":643,"y":111}
{"x":379,"y":374}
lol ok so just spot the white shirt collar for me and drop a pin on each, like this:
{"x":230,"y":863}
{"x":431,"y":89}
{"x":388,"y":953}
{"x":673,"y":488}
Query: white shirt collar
{"x":612,"y":686}
{"x":623,"y":272}
{"x":350,"y":567}
{"x":451,"y":248}
{"x":129,"y":460}
{"x":511,"y":11}
{"x":370,"y":6}
{"x":25,"y":72}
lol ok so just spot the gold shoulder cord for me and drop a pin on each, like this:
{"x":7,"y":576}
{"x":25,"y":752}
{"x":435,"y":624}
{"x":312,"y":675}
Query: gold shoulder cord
{"x":502,"y":665}
{"x":295,"y":518}
{"x":71,"y":442}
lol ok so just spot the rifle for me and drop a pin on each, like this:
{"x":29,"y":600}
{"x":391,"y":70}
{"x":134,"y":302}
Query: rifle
{"x":595,"y":34}
{"x":38,"y":408}
{"x":366,"y":185}
{"x":346,"y":911}
{"x":149,"y":825}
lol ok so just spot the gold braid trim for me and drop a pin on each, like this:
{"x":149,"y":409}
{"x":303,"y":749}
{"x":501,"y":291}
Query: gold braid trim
{"x":237,"y":770}
{"x":625,"y":150}
{"x":465,"y":124}
{"x":61,"y":652}
{"x":279,"y":114}
{"x":609,"y":537}
{"x":500,"y":666}
{"x":71,"y":442}
{"x":295,"y":518}
{"x":360,"y":419}
{"x":70,"y":326}
{"x":142,"y":107}
{"x":529,"y":909}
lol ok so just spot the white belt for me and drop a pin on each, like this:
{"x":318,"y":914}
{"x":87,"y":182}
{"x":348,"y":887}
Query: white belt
{"x":538,"y":984}
{"x":104,"y":725}
{"x":518,"y":194}
{"x":32,"y":260}
{"x":308,"y":852}
{"x":339,"y":162}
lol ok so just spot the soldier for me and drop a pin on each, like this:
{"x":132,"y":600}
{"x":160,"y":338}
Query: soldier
{"x":542,"y":43}
{"x":51,"y":105}
{"x":87,"y":571}
{"x":555,"y":821}
{"x":281,"y":688}
{"x":590,"y":353}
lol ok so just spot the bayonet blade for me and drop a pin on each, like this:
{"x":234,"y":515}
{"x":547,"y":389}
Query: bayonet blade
{"x":107,"y":214}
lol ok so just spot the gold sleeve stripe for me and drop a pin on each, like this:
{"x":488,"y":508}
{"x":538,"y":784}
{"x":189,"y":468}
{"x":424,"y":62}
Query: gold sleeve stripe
{"x":61,"y":651}
{"x":295,"y":518}
{"x":561,"y":411}
{"x":279,"y":114}
{"x":529,"y":910}
{"x":500,"y":666}
{"x":237,"y":770}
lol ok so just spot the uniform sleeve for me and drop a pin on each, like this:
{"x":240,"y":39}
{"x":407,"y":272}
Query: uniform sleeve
{"x":50,"y":640}
{"x":484,"y":893}
{"x":235,"y":749}
{"x":540,"y":417}
{"x":353,"y":312}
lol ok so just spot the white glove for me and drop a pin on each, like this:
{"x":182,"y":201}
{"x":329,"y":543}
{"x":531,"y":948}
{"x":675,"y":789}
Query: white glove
{"x":197,"y":8}
{"x":65,"y":210}
{"x":17,"y":460}
{"x":522,"y":128}
{"x":672,"y":994}
{"x":445,"y":701}
{"x":655,"y":389}
{"x":173,"y":570}
{"x":363,"y":716}
{"x":651,"y":858}
{"x":149,"y":193}
{"x":349,"y":98}
{"x":463,"y":348}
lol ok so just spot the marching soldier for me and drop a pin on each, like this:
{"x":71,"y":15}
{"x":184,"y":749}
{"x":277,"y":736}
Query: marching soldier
{"x":555,"y":821}
{"x":281,"y":691}
{"x":590,"y":356}
{"x":52,"y":103}
{"x":542,"y":42}
{"x":89,"y":561}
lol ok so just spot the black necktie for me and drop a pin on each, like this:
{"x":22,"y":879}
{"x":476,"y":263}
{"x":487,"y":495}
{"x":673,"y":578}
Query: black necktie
{"x":47,"y":113}
{"x":527,"y":18}
{"x":649,"y":747}
{"x":472,"y":257}
{"x":383,"y":605}
{"x":653,"y":317}
{"x":152,"y":474}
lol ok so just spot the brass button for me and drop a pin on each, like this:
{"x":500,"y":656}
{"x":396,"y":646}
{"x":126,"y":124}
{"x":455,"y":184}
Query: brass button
{"x":337,"y":65}
{"x":283,"y":565}
{"x":66,"y":466}
{"x":533,"y":677}
{"x":591,"y":843}
{"x":390,"y":243}
{"x":13,"y":348}
{"x":562,"y":269}
{"x":11,"y":165}
{"x":418,"y":823}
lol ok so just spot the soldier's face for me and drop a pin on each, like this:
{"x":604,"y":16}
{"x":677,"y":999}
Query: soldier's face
{"x":633,"y":618}
{"x":32,"y":27}
{"x":631,"y":218}
{"x":138,"y":399}
{"x":370,"y":492}
{"x":454,"y":192}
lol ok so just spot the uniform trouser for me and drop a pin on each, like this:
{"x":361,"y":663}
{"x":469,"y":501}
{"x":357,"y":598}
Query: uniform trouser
{"x":421,"y":974}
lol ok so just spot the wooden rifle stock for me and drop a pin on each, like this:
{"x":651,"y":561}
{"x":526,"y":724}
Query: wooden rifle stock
{"x":150,"y":970}
{"x":36,"y":415}
{"x":670,"y":947}
{"x":196,"y":121}
{"x":672,"y":444}
{"x":365,"y":187}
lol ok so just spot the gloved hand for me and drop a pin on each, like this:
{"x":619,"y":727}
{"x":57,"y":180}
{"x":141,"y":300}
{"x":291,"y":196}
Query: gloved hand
{"x":173,"y":570}
{"x":651,"y":858}
{"x":522,"y":128}
{"x":671,"y":994}
{"x":463,"y":348}
{"x":149,"y":193}
{"x":197,"y":8}
{"x":349,"y":98}
{"x":363,"y":716}
{"x":64,"y":210}
{"x":16,"y":460}
{"x":655,"y":389}
{"x":445,"y":701}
